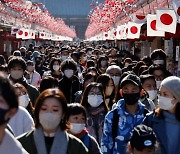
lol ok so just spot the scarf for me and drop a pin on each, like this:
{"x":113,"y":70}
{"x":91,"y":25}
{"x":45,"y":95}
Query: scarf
{"x":59,"y":145}
{"x":96,"y":110}
{"x":82,"y":133}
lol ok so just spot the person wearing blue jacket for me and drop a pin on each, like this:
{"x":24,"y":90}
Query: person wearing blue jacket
{"x":130,"y":112}
{"x":165,"y":120}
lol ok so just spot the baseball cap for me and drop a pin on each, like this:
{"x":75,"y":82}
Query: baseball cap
{"x":131,"y":78}
{"x":142,"y":137}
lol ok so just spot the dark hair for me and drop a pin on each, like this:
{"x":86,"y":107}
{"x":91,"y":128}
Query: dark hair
{"x":153,"y":68}
{"x":103,"y":57}
{"x":51,"y":93}
{"x":84,"y":100}
{"x":104,"y":79}
{"x":158,"y":52}
{"x":146,"y":77}
{"x":2,"y":60}
{"x":75,"y":109}
{"x":147,"y":60}
{"x":87,"y":77}
{"x":68,"y":63}
{"x":17,"y":61}
{"x":90,"y":63}
{"x":54,"y":59}
{"x":48,"y":82}
{"x":7,"y":91}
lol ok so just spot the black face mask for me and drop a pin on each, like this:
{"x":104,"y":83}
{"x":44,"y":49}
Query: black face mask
{"x":131,"y":99}
{"x":2,"y":116}
{"x":38,"y":62}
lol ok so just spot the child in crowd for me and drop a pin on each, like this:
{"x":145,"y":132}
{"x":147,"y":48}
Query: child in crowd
{"x":77,"y":118}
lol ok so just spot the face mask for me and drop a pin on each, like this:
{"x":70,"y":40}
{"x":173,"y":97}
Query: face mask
{"x":64,"y":57}
{"x":103,"y":63}
{"x":165,"y":103}
{"x":49,"y":121}
{"x":68,"y":73}
{"x":2,"y":116}
{"x":95,"y":100}
{"x":131,"y":99}
{"x":158,"y":62}
{"x":15,"y":74}
{"x":109,"y":90}
{"x":56,"y":67}
{"x":24,"y":100}
{"x":116,"y":80}
{"x":152,"y":94}
{"x":158,"y":83}
{"x":30,"y":68}
{"x":76,"y":128}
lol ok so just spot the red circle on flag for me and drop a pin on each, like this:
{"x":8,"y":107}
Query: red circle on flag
{"x":178,"y":11}
{"x":32,"y":34}
{"x":134,"y":29}
{"x":42,"y":34}
{"x":26,"y":34}
{"x":126,"y":30}
{"x":166,"y":19}
{"x":20,"y":32}
{"x":115,"y":33}
{"x":153,"y":24}
{"x":140,"y":17}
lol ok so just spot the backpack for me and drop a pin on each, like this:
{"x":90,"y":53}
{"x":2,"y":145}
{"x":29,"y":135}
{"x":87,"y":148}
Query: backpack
{"x":115,"y":121}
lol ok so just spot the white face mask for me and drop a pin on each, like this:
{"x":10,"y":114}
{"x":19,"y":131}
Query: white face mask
{"x":30,"y":68}
{"x":56,"y":67}
{"x":158,"y":62}
{"x":158,"y":83}
{"x":64,"y":57}
{"x":15,"y":74}
{"x":152,"y":94}
{"x":76,"y":128}
{"x":49,"y":121}
{"x":85,"y":58}
{"x":116,"y":80}
{"x":24,"y":100}
{"x":68,"y":73}
{"x":95,"y":100}
{"x":165,"y":103}
{"x":126,"y":64}
{"x":109,"y":90}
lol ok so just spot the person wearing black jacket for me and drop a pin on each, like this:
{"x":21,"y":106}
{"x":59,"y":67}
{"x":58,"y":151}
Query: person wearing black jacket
{"x":69,"y":84}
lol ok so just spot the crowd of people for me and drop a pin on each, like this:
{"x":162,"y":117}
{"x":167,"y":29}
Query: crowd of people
{"x":79,"y":98}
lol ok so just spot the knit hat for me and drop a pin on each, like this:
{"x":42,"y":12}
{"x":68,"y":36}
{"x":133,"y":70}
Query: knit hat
{"x":172,"y":84}
{"x":142,"y":137}
{"x":35,"y":54}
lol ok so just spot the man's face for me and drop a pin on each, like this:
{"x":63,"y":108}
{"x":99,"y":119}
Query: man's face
{"x":159,"y":75}
{"x":16,"y":72}
{"x":130,"y":88}
{"x":149,"y":84}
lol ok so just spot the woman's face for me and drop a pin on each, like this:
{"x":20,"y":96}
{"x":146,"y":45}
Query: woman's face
{"x":78,"y":118}
{"x":95,"y":91}
{"x":56,"y":63}
{"x":163,"y":91}
{"x":51,"y":105}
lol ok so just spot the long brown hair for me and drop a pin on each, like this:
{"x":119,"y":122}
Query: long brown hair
{"x":51,"y":93}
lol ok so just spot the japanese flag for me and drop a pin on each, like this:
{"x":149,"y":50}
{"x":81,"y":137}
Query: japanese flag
{"x":106,"y":36}
{"x":42,"y":35}
{"x":166,"y":20}
{"x":133,"y":30}
{"x":151,"y":26}
{"x":138,"y":18}
{"x":32,"y":34}
{"x":176,"y":6}
{"x":26,"y":35}
{"x":20,"y":33}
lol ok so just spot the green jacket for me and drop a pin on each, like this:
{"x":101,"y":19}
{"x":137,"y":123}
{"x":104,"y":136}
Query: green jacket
{"x":75,"y":146}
